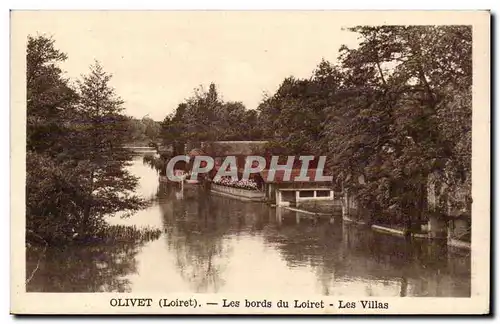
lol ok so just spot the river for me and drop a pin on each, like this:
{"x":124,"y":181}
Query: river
{"x":213,"y":244}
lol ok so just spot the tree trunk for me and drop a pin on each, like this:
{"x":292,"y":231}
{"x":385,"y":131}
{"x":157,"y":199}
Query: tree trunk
{"x":422,"y":203}
{"x":381,"y":74}
{"x":408,"y":226}
{"x":86,"y":217}
{"x":407,"y":216}
{"x":88,"y":204}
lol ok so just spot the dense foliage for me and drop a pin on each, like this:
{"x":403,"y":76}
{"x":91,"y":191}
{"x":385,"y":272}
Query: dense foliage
{"x":392,"y":115}
{"x":205,"y":117}
{"x":75,"y":161}
{"x":143,"y":132}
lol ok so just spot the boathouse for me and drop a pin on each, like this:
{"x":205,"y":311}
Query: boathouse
{"x":279,"y":190}
{"x":288,"y":192}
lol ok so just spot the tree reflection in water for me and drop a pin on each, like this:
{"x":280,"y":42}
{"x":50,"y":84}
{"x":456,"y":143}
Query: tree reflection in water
{"x":195,"y":234}
{"x":309,"y":241}
{"x":203,"y":232}
{"x":82,"y":268}
{"x":202,"y":229}
{"x":349,"y":253}
{"x":197,"y":227}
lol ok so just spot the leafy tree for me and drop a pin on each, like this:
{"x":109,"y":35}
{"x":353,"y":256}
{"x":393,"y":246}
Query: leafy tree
{"x":53,"y":190}
{"x":174,"y":130}
{"x":200,"y":116}
{"x":98,"y":141}
{"x":152,"y":129}
{"x":393,"y":111}
{"x":136,"y":132}
{"x":52,"y":186}
{"x":49,"y":96}
{"x":396,"y":137}
{"x":295,"y":114}
{"x":205,"y":117}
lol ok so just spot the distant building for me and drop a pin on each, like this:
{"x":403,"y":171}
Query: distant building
{"x":219,"y":150}
{"x":278,"y":190}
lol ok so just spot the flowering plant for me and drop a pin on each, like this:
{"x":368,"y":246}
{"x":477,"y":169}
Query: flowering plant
{"x":242,"y":184}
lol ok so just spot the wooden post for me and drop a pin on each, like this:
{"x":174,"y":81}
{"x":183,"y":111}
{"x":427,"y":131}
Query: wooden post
{"x":278,"y":215}
{"x":345,"y":205}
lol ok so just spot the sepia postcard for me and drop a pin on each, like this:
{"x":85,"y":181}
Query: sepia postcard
{"x":250,"y":162}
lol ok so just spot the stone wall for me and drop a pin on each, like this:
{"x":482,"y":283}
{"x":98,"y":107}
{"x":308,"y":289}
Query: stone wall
{"x":452,"y":201}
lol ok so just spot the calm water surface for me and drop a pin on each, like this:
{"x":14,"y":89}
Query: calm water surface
{"x":213,"y":244}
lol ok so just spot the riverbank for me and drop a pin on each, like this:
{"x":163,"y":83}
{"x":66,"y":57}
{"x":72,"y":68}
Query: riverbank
{"x":205,"y":243}
{"x":108,"y":234}
{"x":323,"y":209}
{"x":384,"y":229}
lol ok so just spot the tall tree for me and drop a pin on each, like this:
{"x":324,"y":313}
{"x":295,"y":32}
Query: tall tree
{"x":174,"y":130}
{"x":49,"y":96}
{"x":206,"y":117}
{"x":51,"y":185}
{"x":152,"y":129}
{"x":393,"y":111}
{"x":200,"y":114}
{"x":98,"y":141}
{"x":397,"y":130}
{"x":295,"y":114}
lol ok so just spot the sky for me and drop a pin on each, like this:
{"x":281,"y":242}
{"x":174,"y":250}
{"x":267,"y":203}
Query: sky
{"x":158,"y":58}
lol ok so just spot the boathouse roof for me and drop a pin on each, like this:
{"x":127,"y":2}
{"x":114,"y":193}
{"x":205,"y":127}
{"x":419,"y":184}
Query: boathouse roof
{"x":225,"y":148}
{"x":279,"y":176}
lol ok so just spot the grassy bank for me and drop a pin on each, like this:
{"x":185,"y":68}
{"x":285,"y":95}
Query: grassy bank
{"x":108,"y":234}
